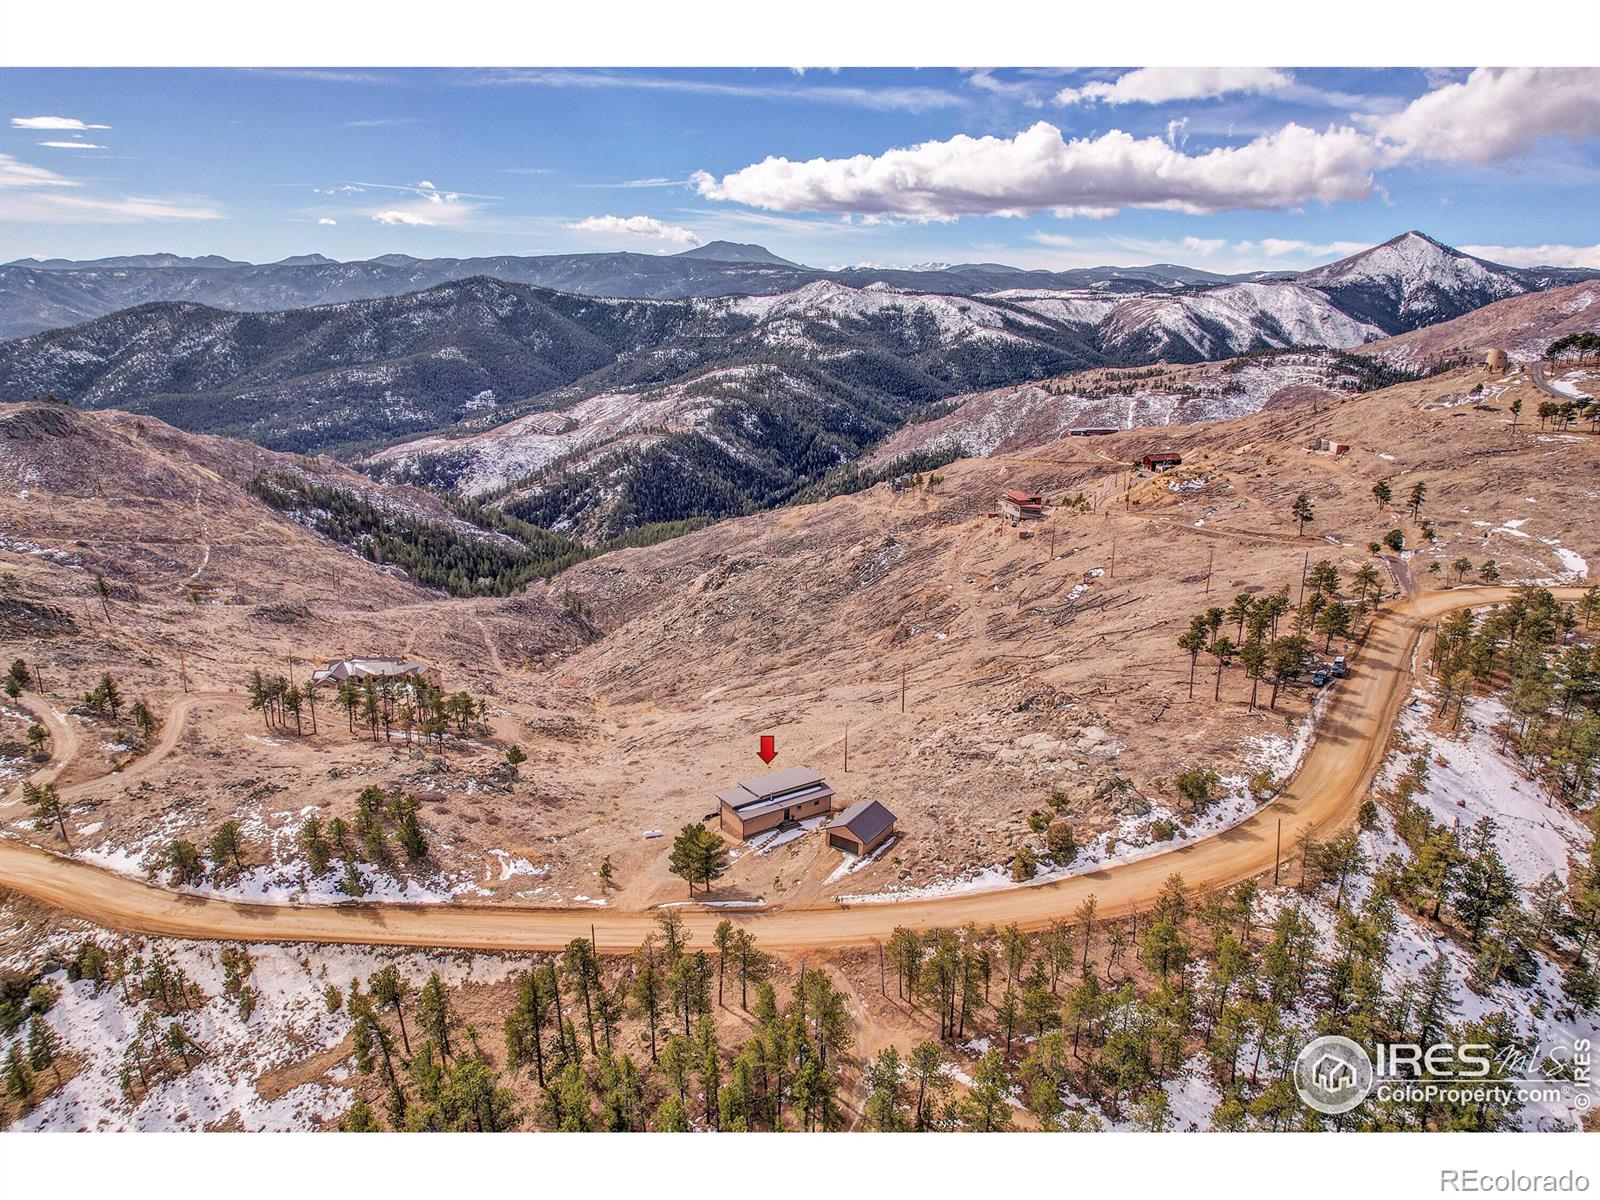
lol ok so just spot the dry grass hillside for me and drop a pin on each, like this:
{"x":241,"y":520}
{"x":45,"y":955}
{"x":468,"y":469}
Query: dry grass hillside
{"x":1520,"y":325}
{"x":1035,"y":660}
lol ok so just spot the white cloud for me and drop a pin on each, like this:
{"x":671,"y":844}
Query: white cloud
{"x":882,"y":99}
{"x":52,"y":123}
{"x":1539,"y":256}
{"x":54,"y":208}
{"x":646,"y":227}
{"x":398,"y":216}
{"x":1493,"y":114}
{"x":14,"y":173}
{"x":1210,"y":253}
{"x":326,"y":221}
{"x":72,"y":145}
{"x":35,"y":198}
{"x":1300,"y":249}
{"x":1040,"y":169}
{"x":1159,"y":85}
{"x":431,"y":206}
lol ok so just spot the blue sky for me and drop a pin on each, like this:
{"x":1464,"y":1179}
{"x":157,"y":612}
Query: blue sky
{"x":1226,"y":169}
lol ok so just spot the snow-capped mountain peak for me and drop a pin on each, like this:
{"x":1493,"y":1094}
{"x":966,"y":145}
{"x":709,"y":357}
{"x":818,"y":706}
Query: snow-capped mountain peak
{"x":1412,"y":280}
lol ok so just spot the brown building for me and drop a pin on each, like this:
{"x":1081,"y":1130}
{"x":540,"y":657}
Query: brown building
{"x":767,"y":801}
{"x":861,"y":828}
{"x":1022,"y":506}
{"x":1496,"y":360}
{"x":1161,"y":460}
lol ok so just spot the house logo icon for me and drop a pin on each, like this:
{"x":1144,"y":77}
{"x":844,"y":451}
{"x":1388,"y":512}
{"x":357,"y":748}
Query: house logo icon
{"x":1333,"y":1074}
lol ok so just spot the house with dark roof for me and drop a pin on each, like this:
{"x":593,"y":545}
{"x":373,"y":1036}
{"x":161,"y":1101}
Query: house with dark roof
{"x":756,"y":805}
{"x":861,"y":828}
{"x":360,"y":669}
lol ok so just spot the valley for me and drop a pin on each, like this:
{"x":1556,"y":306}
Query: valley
{"x":785,"y":516}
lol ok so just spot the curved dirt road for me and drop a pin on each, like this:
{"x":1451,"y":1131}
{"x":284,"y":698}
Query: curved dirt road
{"x":1537,"y":374}
{"x":65,"y":743}
{"x":1330,"y":785}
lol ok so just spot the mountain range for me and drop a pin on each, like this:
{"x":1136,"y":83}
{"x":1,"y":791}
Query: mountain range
{"x":40,"y":295}
{"x":595,"y":415}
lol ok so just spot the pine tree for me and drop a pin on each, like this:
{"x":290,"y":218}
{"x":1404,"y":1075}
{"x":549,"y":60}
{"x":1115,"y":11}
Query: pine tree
{"x":44,"y":1046}
{"x":1419,"y":493}
{"x":19,"y":1082}
{"x":434,"y":1014}
{"x":409,"y":831}
{"x":886,"y":1093}
{"x":987,"y":1107}
{"x":47,"y":808}
{"x":315,"y":845}
{"x":227,"y":847}
{"x":1303,"y":513}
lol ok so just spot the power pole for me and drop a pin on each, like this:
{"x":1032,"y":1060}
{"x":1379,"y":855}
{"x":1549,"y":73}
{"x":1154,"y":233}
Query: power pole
{"x":1305,"y":563}
{"x":1277,"y":854}
{"x":1052,"y":544}
{"x":882,"y":987}
{"x":847,"y":747}
{"x":1113,"y":572}
{"x":902,"y":688}
{"x":183,"y":674}
{"x":1212,"y":558}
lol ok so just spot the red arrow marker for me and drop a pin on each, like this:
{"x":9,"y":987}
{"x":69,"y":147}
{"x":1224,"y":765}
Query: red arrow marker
{"x":769,"y":749}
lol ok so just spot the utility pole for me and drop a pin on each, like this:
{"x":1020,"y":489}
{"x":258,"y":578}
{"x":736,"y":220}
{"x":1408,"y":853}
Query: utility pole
{"x":882,"y":987}
{"x":1305,"y":563}
{"x":1052,"y":544}
{"x":902,"y":688}
{"x":1113,"y":571}
{"x":183,"y":674}
{"x":847,"y":747}
{"x":1277,"y":854}
{"x":1209,"y":561}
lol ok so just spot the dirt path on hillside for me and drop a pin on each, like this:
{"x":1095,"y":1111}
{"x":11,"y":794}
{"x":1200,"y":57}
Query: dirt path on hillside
{"x":66,"y":742}
{"x":1324,"y":795}
{"x":492,"y":648}
{"x":1537,"y":375}
{"x":64,"y":745}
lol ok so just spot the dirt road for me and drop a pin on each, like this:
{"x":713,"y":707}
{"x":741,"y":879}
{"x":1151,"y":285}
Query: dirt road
{"x":1332,"y":781}
{"x":1536,"y":373}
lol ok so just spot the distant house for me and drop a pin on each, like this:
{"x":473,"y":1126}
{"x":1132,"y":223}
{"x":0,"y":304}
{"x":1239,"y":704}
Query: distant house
{"x":1022,"y":506}
{"x":861,"y":828}
{"x":360,"y":669}
{"x":1093,"y":431}
{"x":1161,"y":460}
{"x":756,"y":805}
{"x":1329,"y":446}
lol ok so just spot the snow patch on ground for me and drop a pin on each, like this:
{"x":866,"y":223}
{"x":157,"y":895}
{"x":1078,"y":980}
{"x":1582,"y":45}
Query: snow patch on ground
{"x":1470,"y":778}
{"x":1130,"y":840}
{"x":290,"y":1023}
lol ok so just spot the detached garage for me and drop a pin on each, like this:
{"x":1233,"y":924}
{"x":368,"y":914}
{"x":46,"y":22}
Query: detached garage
{"x":861,"y":828}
